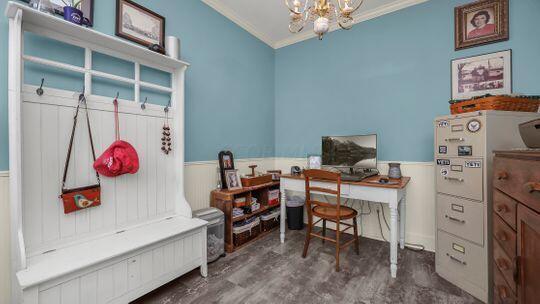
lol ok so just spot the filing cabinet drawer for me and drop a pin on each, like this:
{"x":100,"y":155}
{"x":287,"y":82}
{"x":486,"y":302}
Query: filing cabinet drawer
{"x":463,"y":258}
{"x":454,"y":137}
{"x":520,"y":179}
{"x":505,"y":264}
{"x":502,"y":293}
{"x":460,"y":177}
{"x":505,"y":207}
{"x":505,"y":235}
{"x":461,"y":217}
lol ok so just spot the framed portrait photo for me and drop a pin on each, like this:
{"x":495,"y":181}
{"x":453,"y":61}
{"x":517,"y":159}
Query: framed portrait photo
{"x":481,"y":22}
{"x":233,"y":179}
{"x":139,"y":24}
{"x":481,"y":75}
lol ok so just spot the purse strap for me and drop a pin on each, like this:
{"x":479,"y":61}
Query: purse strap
{"x":82,"y":100}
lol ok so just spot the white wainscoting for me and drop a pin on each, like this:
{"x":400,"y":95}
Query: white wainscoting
{"x":5,"y":268}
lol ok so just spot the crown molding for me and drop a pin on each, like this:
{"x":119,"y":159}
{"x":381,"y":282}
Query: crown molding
{"x":364,"y":16}
{"x":228,"y":13}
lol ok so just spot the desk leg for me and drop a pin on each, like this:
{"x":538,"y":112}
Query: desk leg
{"x":393,"y":239}
{"x":283,"y":215}
{"x":402,"y":208}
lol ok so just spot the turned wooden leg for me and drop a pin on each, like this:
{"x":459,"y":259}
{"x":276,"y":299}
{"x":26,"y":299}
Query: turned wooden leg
{"x":356,"y":240}
{"x":323,"y":229}
{"x":337,"y":245}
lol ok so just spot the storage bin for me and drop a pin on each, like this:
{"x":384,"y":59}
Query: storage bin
{"x":245,"y":233}
{"x":270,"y":220}
{"x":273,"y":197}
{"x":295,"y":213}
{"x":215,"y":232}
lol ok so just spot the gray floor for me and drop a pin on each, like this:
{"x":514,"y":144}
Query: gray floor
{"x":269,"y":272}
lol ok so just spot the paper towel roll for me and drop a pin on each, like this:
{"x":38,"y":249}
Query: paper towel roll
{"x":172,"y":47}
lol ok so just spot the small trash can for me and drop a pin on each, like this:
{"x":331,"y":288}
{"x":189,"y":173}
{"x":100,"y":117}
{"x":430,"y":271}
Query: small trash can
{"x":215,"y":232}
{"x":295,"y":213}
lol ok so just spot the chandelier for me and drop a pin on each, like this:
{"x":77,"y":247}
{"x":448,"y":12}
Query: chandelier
{"x":321,"y":13}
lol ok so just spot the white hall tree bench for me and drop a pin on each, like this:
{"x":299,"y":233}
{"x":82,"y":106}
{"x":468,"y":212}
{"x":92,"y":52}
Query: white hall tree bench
{"x":143,"y":234}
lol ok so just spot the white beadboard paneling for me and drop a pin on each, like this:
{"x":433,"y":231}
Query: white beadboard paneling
{"x":5,"y":264}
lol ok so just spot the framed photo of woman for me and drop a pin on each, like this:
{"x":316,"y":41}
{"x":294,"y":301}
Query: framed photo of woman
{"x":481,"y":22}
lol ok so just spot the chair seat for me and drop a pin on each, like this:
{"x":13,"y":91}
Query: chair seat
{"x":331,"y":212}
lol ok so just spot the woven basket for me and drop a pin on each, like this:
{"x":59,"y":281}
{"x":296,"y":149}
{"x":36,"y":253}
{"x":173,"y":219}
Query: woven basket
{"x":270,"y":221}
{"x":242,"y":235}
{"x":498,"y":103}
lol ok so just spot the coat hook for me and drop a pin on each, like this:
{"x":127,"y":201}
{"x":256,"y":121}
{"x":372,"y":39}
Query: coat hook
{"x":117,"y":95}
{"x":143,"y":105}
{"x":167,"y":107}
{"x":39,"y":91}
{"x":82,"y":97}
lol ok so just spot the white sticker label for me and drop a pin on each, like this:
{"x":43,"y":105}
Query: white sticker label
{"x":473,"y":164}
{"x":443,"y":124}
{"x":444,"y":171}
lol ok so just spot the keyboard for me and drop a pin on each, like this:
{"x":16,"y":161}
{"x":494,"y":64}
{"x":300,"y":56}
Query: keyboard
{"x":357,"y":177}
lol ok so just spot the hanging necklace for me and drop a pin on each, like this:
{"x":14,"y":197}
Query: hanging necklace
{"x":166,"y":141}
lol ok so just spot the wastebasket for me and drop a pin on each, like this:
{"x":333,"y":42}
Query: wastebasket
{"x":295,"y":213}
{"x":215,"y":231}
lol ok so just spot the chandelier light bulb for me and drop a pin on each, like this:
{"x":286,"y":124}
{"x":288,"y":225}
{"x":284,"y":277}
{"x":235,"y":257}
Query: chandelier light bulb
{"x":321,"y":26}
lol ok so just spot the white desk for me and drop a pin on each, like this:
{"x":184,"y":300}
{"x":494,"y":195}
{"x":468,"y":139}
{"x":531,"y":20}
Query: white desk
{"x":393,"y":195}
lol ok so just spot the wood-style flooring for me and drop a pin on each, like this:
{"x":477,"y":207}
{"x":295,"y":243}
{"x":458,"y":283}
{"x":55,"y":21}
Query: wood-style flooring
{"x":269,"y":272}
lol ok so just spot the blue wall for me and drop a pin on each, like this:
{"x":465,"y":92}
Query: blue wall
{"x":390,"y":76}
{"x":230,"y":84}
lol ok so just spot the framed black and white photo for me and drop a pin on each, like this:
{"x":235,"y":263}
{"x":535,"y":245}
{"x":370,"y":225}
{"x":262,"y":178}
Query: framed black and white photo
{"x":233,"y":179}
{"x":139,"y":24}
{"x":481,"y":75}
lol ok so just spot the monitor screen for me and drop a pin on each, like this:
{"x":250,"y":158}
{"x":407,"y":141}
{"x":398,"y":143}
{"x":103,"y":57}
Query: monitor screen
{"x":350,"y":151}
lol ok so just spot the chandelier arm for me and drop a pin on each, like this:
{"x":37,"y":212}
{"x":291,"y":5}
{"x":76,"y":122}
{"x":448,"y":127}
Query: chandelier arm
{"x":358,"y":6}
{"x":292,"y":9}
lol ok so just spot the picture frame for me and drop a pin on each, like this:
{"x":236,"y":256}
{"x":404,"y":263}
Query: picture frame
{"x":137,"y":23}
{"x":314,"y":162}
{"x":482,"y":74}
{"x":233,"y":180}
{"x":226,"y":162}
{"x":481,"y":22}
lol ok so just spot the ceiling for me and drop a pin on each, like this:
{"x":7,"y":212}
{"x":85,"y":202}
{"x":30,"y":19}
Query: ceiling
{"x":268,"y":19}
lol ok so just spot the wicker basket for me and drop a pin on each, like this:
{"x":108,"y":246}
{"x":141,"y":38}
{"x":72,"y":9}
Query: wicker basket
{"x":270,"y":221}
{"x":246,"y":233}
{"x":498,"y":103}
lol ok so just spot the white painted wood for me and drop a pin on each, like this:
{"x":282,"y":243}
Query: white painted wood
{"x":69,"y":292}
{"x":5,"y":262}
{"x":105,"y":284}
{"x":50,"y":296}
{"x":88,"y":289}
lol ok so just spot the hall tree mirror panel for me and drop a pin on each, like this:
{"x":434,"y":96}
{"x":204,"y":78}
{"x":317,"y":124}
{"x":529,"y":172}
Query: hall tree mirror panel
{"x":143,"y":234}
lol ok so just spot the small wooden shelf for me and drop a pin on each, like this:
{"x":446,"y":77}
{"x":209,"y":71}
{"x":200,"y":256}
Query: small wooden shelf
{"x":223,"y":200}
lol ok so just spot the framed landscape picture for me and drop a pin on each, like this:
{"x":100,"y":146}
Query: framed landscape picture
{"x":481,"y":22}
{"x":139,"y":24}
{"x":481,"y":75}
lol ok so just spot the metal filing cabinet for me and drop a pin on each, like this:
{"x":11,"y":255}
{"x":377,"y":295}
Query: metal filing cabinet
{"x":463,"y":156}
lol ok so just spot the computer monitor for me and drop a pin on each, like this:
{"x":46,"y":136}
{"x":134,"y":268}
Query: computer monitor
{"x":350,"y":151}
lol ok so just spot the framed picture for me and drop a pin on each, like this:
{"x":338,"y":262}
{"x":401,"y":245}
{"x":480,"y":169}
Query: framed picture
{"x":226,"y":162}
{"x":139,"y":24}
{"x":233,"y":180}
{"x":314,"y":162}
{"x":481,"y":75}
{"x":481,"y":22}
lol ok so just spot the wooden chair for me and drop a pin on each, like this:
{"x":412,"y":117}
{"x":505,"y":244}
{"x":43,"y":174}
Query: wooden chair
{"x":328,"y":212}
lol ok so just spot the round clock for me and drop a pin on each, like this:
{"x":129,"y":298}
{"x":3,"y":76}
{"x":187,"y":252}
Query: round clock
{"x":474,"y":126}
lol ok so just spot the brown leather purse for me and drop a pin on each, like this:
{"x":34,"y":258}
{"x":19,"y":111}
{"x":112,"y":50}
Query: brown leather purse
{"x":83,"y":197}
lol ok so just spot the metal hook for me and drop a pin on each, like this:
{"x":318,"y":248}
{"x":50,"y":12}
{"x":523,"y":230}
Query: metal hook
{"x":143,"y":105}
{"x":167,"y":107}
{"x":117,"y":95}
{"x":82,"y":97}
{"x":39,"y":91}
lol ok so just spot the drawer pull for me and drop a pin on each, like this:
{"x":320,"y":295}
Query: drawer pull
{"x":453,"y":258}
{"x":502,"y":263}
{"x":501,"y":236}
{"x":501,"y":209}
{"x":454,"y":219}
{"x":502,"y":292}
{"x":502,"y":175}
{"x":454,"y":179}
{"x":532,"y":187}
{"x":454,"y":139}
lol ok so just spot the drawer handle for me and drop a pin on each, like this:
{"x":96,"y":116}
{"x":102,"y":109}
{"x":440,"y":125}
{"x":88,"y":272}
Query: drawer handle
{"x":501,"y":236}
{"x":532,"y":187}
{"x":502,"y":292}
{"x":453,"y":258}
{"x":502,"y":263}
{"x":454,"y":179}
{"x":454,"y":139}
{"x":454,"y":219}
{"x":502,"y":175}
{"x":501,"y":209}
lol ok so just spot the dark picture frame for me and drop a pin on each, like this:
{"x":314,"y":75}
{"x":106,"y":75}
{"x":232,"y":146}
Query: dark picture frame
{"x":481,"y":22}
{"x":226,"y":162}
{"x":127,"y":12}
{"x":482,"y":74}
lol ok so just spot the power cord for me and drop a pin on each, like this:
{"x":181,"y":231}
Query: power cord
{"x":410,"y":246}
